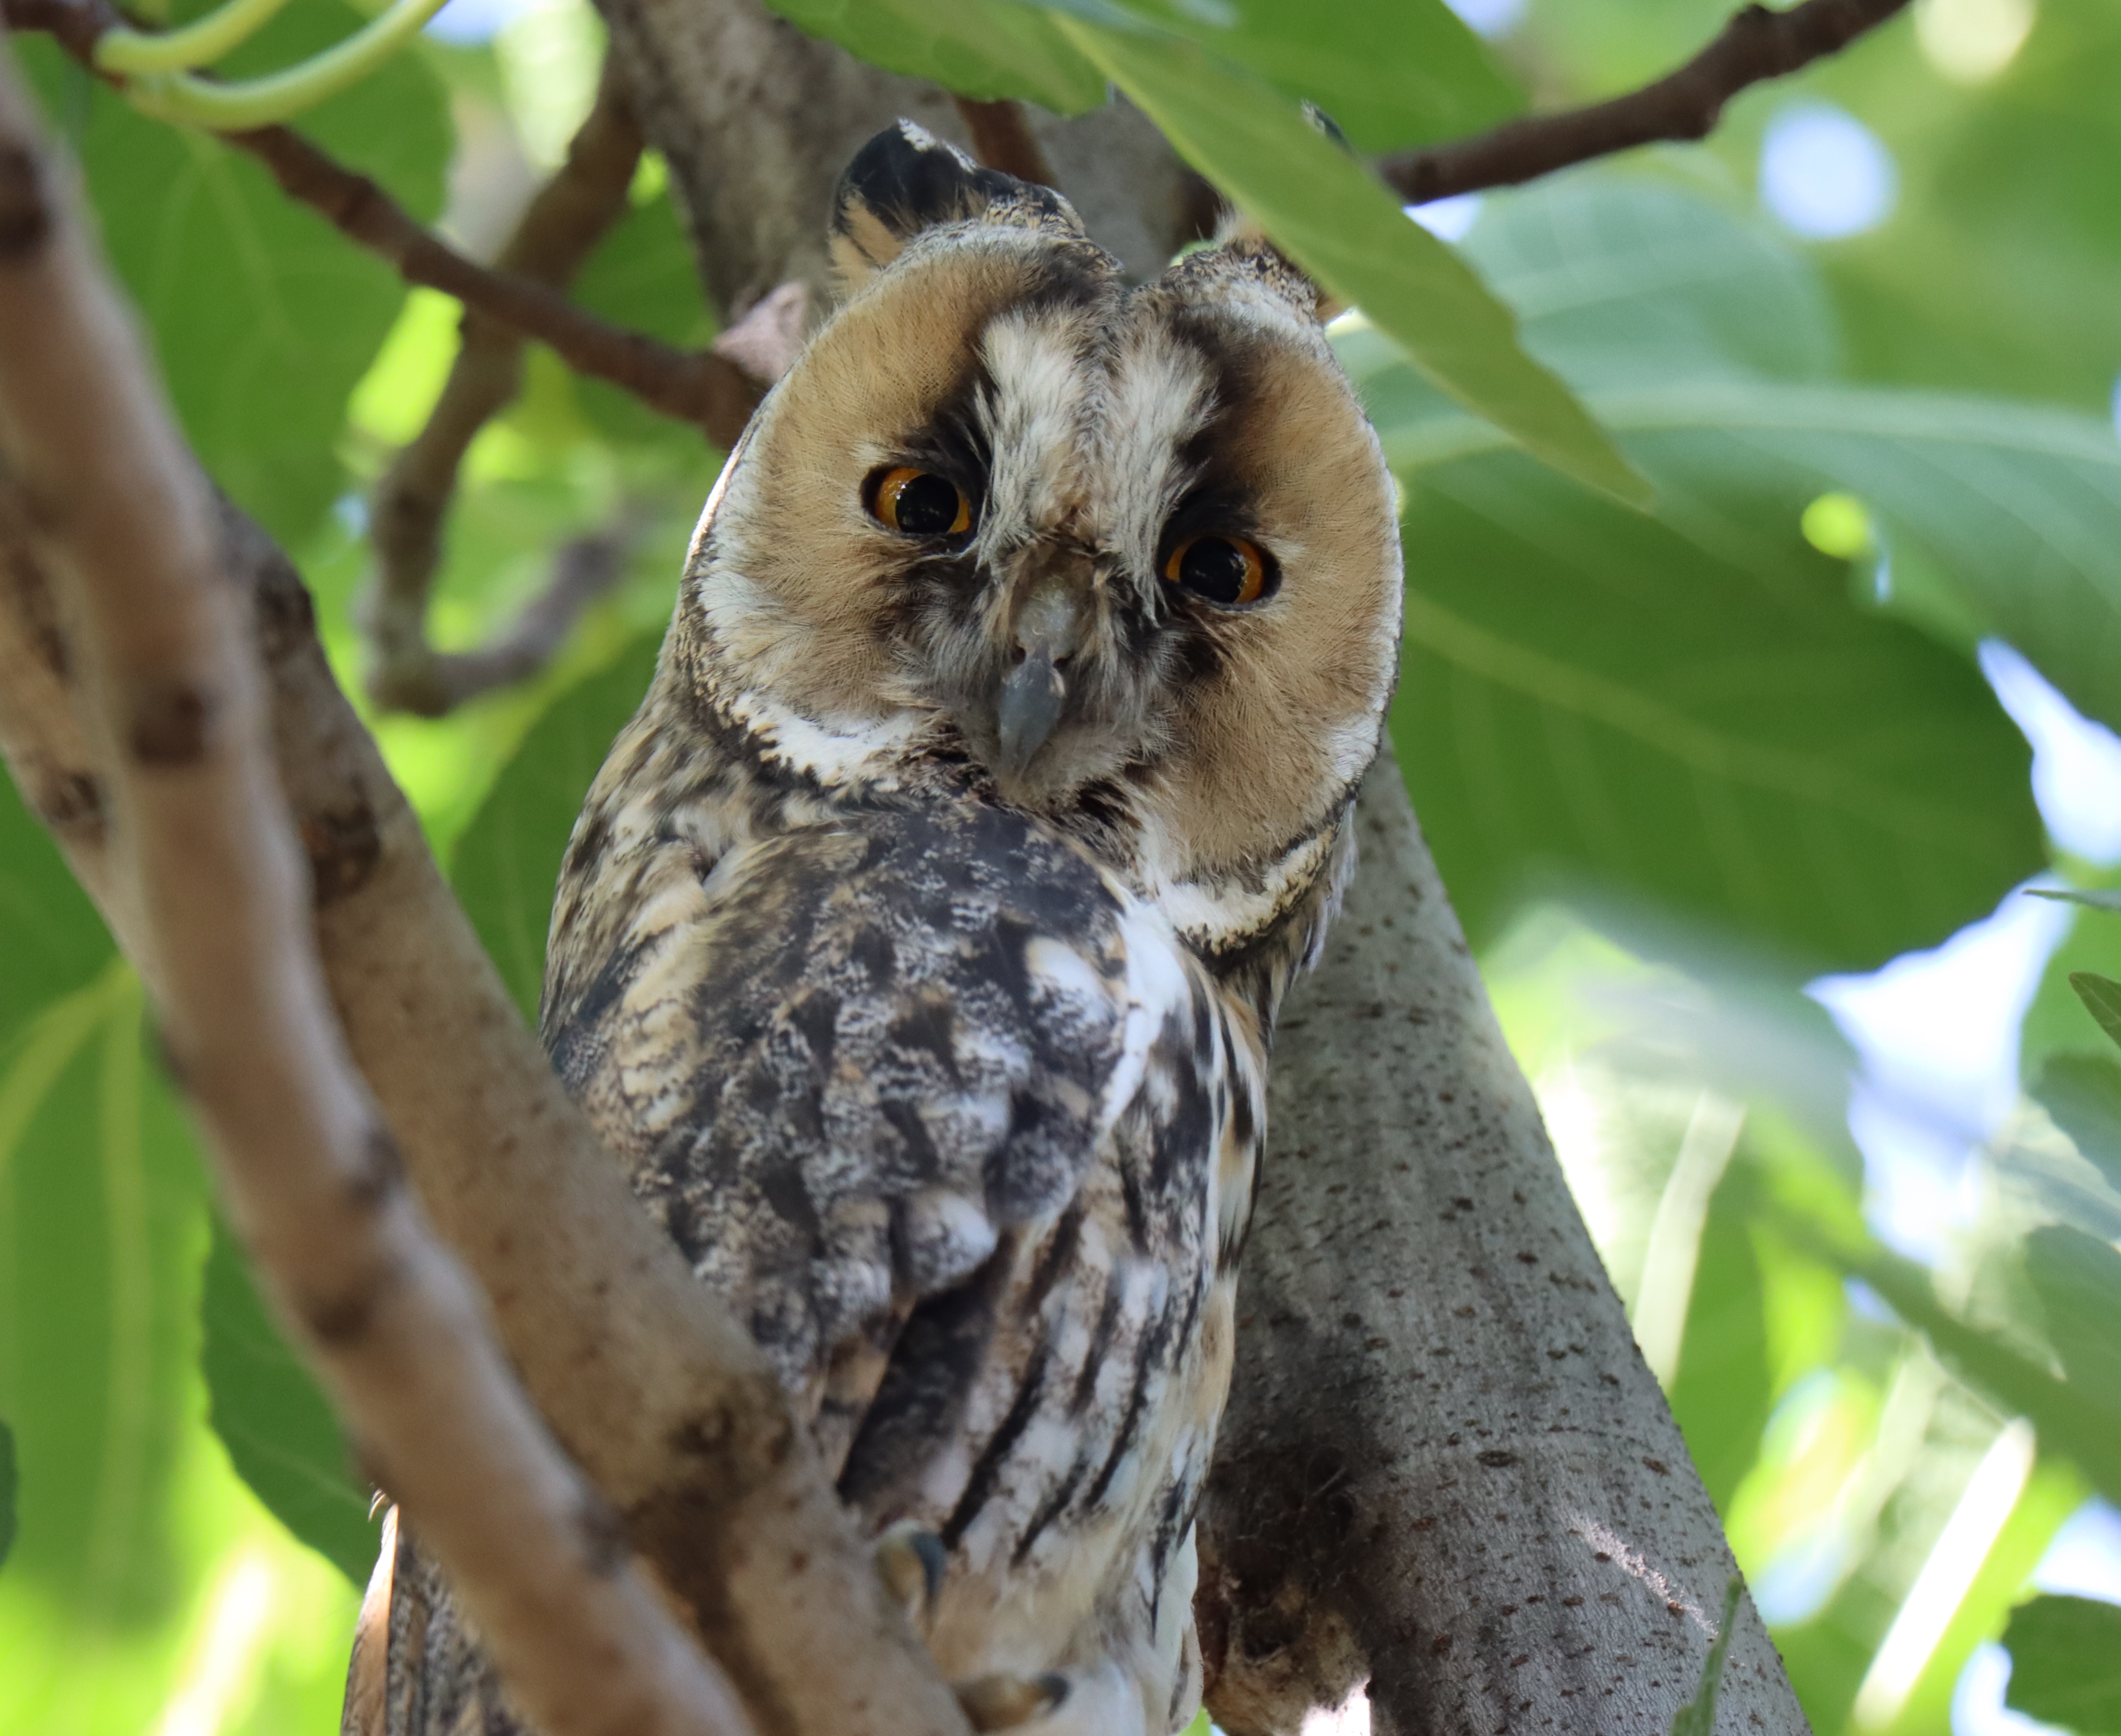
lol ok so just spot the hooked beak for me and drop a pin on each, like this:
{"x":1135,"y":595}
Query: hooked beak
{"x":1048,"y":633}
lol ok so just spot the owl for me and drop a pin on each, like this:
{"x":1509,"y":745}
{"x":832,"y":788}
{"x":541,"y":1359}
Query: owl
{"x":919,"y":947}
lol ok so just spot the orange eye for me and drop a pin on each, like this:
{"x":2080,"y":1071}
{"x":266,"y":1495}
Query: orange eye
{"x":1228,"y":570}
{"x":920,"y":503}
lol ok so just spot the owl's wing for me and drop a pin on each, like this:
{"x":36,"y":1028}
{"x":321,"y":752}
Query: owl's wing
{"x":850,"y":1058}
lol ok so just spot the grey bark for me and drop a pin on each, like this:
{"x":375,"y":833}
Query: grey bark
{"x":1446,"y":1470}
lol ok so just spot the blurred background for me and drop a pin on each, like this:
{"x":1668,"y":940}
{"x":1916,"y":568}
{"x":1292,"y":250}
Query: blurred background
{"x":1746,"y":807}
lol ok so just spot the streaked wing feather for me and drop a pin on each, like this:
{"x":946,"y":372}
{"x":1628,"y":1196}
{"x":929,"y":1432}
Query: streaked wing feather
{"x":869,"y":1049}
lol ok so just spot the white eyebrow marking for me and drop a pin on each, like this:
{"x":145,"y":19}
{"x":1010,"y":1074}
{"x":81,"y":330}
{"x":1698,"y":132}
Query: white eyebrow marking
{"x":1033,"y":422}
{"x":1159,"y":396}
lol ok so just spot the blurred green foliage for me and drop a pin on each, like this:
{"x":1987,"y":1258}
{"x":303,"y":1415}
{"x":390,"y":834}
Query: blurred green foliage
{"x":2068,"y":1651}
{"x":1673,"y":763}
{"x":281,"y":1435}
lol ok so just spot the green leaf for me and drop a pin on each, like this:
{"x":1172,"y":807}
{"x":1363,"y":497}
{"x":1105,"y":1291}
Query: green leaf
{"x":1999,"y":518}
{"x":2102,"y":898}
{"x":642,"y":278}
{"x":1692,"y":713}
{"x":979,"y":49}
{"x":2066,"y":1664}
{"x":2082,"y":1094}
{"x":8,"y":1481}
{"x":508,"y":861}
{"x":1725,"y":1389}
{"x":1346,"y":227}
{"x":2024,"y":162}
{"x":2077,"y":1278}
{"x":2081,"y":1420}
{"x":262,"y":315}
{"x":1697,"y":1716}
{"x":2056,"y":1021}
{"x":282,"y":1434}
{"x":2101,"y":997}
{"x":2051,"y":1494}
{"x":1392,"y":74}
{"x":50,"y":935}
{"x":1605,"y":270}
{"x":2007,"y":507}
{"x":101,"y":1219}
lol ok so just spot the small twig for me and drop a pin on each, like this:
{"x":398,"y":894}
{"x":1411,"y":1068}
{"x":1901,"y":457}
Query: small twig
{"x":1756,"y":46}
{"x":701,"y":386}
{"x":175,"y":710}
{"x":704,"y":387}
{"x":552,"y":240}
{"x":586,"y":567}
{"x":1002,"y":139}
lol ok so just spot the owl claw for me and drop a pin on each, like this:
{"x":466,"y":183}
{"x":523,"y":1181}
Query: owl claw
{"x":1003,"y":1703}
{"x":912,"y":1563}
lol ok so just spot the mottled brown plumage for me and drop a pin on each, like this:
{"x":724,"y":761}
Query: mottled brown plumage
{"x":919,"y":945}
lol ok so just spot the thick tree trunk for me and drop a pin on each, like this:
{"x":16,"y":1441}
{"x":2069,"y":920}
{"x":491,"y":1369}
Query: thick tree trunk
{"x":1446,"y":1470}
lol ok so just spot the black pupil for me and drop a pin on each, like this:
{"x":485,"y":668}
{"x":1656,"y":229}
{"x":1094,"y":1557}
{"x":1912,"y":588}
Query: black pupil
{"x":1215,"y":567}
{"x":927,"y":506}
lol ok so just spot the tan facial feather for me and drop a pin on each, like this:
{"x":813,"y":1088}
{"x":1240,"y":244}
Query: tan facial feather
{"x":1101,"y":401}
{"x":814,"y":559}
{"x":1263,"y":743}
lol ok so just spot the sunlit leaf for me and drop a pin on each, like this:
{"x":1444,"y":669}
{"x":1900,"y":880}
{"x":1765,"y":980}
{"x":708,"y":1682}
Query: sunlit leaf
{"x":508,"y":860}
{"x":2082,"y":1093}
{"x":2102,"y":897}
{"x":982,"y":48}
{"x":1688,"y":709}
{"x":1392,"y":74}
{"x":1724,"y":1391}
{"x":2024,"y":161}
{"x":1692,"y":714}
{"x":2066,"y":1664}
{"x":2001,"y":518}
{"x":1697,"y":1716}
{"x":278,"y":1427}
{"x":8,"y":1481}
{"x":2074,"y":1416}
{"x":52,"y":939}
{"x":263,"y":314}
{"x":2101,"y":997}
{"x":642,"y":278}
{"x":2051,"y":1494}
{"x":1331,"y":214}
{"x":2057,"y":1021}
{"x":2078,"y":1280}
{"x":101,"y":1223}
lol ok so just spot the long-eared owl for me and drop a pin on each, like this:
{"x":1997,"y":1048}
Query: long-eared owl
{"x":919,"y":947}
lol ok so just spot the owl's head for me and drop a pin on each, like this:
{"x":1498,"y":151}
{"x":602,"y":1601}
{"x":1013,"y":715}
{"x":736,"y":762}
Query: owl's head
{"x":1128,"y":552}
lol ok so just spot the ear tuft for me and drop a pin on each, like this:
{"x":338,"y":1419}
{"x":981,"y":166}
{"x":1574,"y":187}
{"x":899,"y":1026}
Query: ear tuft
{"x":1241,"y":257}
{"x":906,"y":180}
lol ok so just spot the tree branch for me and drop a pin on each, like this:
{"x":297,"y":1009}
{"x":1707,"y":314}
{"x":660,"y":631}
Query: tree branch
{"x":1002,"y":139}
{"x":655,"y":1391}
{"x":1446,"y":1476}
{"x":1756,"y":46}
{"x":557,"y":232}
{"x":701,"y":386}
{"x":174,"y":708}
{"x":586,"y":567}
{"x":706,"y":387}
{"x":551,"y":240}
